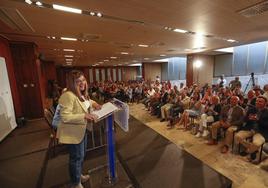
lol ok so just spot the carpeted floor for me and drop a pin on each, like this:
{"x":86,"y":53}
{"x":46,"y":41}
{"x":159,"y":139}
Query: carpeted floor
{"x":155,"y":162}
{"x":26,"y":163}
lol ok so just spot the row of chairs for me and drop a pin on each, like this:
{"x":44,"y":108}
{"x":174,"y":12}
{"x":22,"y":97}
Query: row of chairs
{"x":48,"y":115}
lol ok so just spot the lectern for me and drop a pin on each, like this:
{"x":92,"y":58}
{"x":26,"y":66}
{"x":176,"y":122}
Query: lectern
{"x":114,"y":111}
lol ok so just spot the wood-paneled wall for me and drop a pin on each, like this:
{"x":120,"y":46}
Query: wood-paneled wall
{"x":129,"y":73}
{"x":5,"y":52}
{"x":151,"y":70}
{"x":27,"y":73}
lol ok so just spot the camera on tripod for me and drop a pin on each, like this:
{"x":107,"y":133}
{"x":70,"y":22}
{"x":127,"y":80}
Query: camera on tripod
{"x":251,"y":81}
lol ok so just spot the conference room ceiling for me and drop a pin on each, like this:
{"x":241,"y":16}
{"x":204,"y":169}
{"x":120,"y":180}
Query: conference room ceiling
{"x":123,"y":25}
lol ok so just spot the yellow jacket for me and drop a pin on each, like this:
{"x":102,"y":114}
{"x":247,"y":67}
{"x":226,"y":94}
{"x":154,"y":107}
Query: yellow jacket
{"x":72,"y":127}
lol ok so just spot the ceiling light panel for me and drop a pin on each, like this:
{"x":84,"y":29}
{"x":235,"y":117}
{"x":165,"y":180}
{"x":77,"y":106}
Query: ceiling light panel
{"x":67,"y":9}
{"x":68,"y":38}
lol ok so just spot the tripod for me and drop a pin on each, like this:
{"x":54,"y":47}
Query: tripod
{"x":251,"y":81}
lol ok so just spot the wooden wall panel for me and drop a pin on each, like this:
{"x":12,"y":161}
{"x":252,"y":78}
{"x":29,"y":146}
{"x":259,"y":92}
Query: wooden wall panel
{"x":152,"y":70}
{"x":5,"y":52}
{"x":129,"y":73}
{"x":189,"y":71}
{"x":27,"y":72}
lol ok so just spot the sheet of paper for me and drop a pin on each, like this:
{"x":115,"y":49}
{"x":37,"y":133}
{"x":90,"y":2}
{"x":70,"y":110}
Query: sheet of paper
{"x":106,"y":109}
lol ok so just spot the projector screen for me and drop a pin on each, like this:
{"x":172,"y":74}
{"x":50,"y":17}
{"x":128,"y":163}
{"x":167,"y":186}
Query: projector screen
{"x":7,"y":114}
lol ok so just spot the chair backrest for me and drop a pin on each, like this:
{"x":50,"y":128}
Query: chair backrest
{"x":52,"y":110}
{"x":48,"y":116}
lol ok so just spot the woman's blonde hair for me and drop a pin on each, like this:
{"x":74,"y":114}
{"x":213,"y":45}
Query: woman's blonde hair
{"x":71,"y":82}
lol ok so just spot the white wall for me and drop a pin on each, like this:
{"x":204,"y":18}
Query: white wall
{"x":7,"y":114}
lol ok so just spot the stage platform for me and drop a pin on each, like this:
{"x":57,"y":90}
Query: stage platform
{"x":152,"y":161}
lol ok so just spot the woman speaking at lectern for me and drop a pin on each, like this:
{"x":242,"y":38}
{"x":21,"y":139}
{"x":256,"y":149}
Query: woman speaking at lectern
{"x":75,"y":117}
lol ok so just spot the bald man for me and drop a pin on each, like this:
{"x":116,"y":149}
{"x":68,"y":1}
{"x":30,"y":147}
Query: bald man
{"x":232,"y":116}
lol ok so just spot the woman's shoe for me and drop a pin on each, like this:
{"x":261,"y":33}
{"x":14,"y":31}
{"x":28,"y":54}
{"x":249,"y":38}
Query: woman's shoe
{"x":198,"y":135}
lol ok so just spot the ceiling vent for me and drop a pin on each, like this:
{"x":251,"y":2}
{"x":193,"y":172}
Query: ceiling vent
{"x":254,"y":10}
{"x":171,"y":50}
{"x":14,"y":19}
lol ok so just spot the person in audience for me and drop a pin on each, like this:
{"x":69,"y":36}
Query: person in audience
{"x":181,"y":102}
{"x":257,"y":90}
{"x":207,"y":96}
{"x":195,"y":110}
{"x":165,"y":109}
{"x":129,"y":92}
{"x":231,"y":117}
{"x":75,"y":114}
{"x":265,"y":90}
{"x":221,"y":81}
{"x":149,"y":95}
{"x":256,"y":126}
{"x":251,"y":99}
{"x":211,"y":114}
{"x":235,"y":83}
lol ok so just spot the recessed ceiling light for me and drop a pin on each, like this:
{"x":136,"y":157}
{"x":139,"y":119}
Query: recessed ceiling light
{"x":38,"y":3}
{"x":161,"y":60}
{"x":100,"y":62}
{"x":180,"y":31}
{"x":231,"y":40}
{"x":137,"y":64}
{"x":162,"y":55}
{"x":124,"y":53}
{"x":187,"y":49}
{"x":106,"y":60}
{"x":113,"y":57}
{"x":143,"y":45}
{"x":68,"y":38}
{"x":68,"y":56}
{"x":135,"y":61}
{"x":67,"y":9}
{"x":68,"y":50}
{"x":28,"y":2}
{"x":92,"y":13}
{"x":48,"y":37}
{"x":53,"y":37}
{"x":69,"y":59}
{"x":228,"y":50}
{"x":99,"y":14}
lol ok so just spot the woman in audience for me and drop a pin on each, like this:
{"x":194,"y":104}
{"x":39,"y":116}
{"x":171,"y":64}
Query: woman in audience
{"x":75,"y":115}
{"x":195,"y":110}
{"x":211,"y":114}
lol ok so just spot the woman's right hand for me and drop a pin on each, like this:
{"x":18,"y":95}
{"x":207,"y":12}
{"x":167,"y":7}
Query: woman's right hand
{"x":91,"y":117}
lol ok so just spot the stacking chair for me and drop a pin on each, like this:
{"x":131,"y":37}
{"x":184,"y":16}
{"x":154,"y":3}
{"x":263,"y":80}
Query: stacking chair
{"x":53,"y":140}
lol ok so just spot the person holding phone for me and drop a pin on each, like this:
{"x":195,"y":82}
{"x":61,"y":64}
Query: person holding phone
{"x":75,"y":116}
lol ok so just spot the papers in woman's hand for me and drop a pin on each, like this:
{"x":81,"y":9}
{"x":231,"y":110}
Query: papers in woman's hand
{"x":106,"y":109}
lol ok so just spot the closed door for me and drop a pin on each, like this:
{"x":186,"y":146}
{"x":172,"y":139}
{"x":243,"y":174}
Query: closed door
{"x":27,"y":79}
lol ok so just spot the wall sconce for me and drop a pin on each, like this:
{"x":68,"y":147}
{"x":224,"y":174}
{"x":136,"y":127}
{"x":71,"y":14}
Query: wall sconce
{"x":198,"y":64}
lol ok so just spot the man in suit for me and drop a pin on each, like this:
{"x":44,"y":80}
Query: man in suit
{"x":256,"y":127}
{"x":232,"y":116}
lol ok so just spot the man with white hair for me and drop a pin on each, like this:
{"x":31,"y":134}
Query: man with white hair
{"x":265,"y":89}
